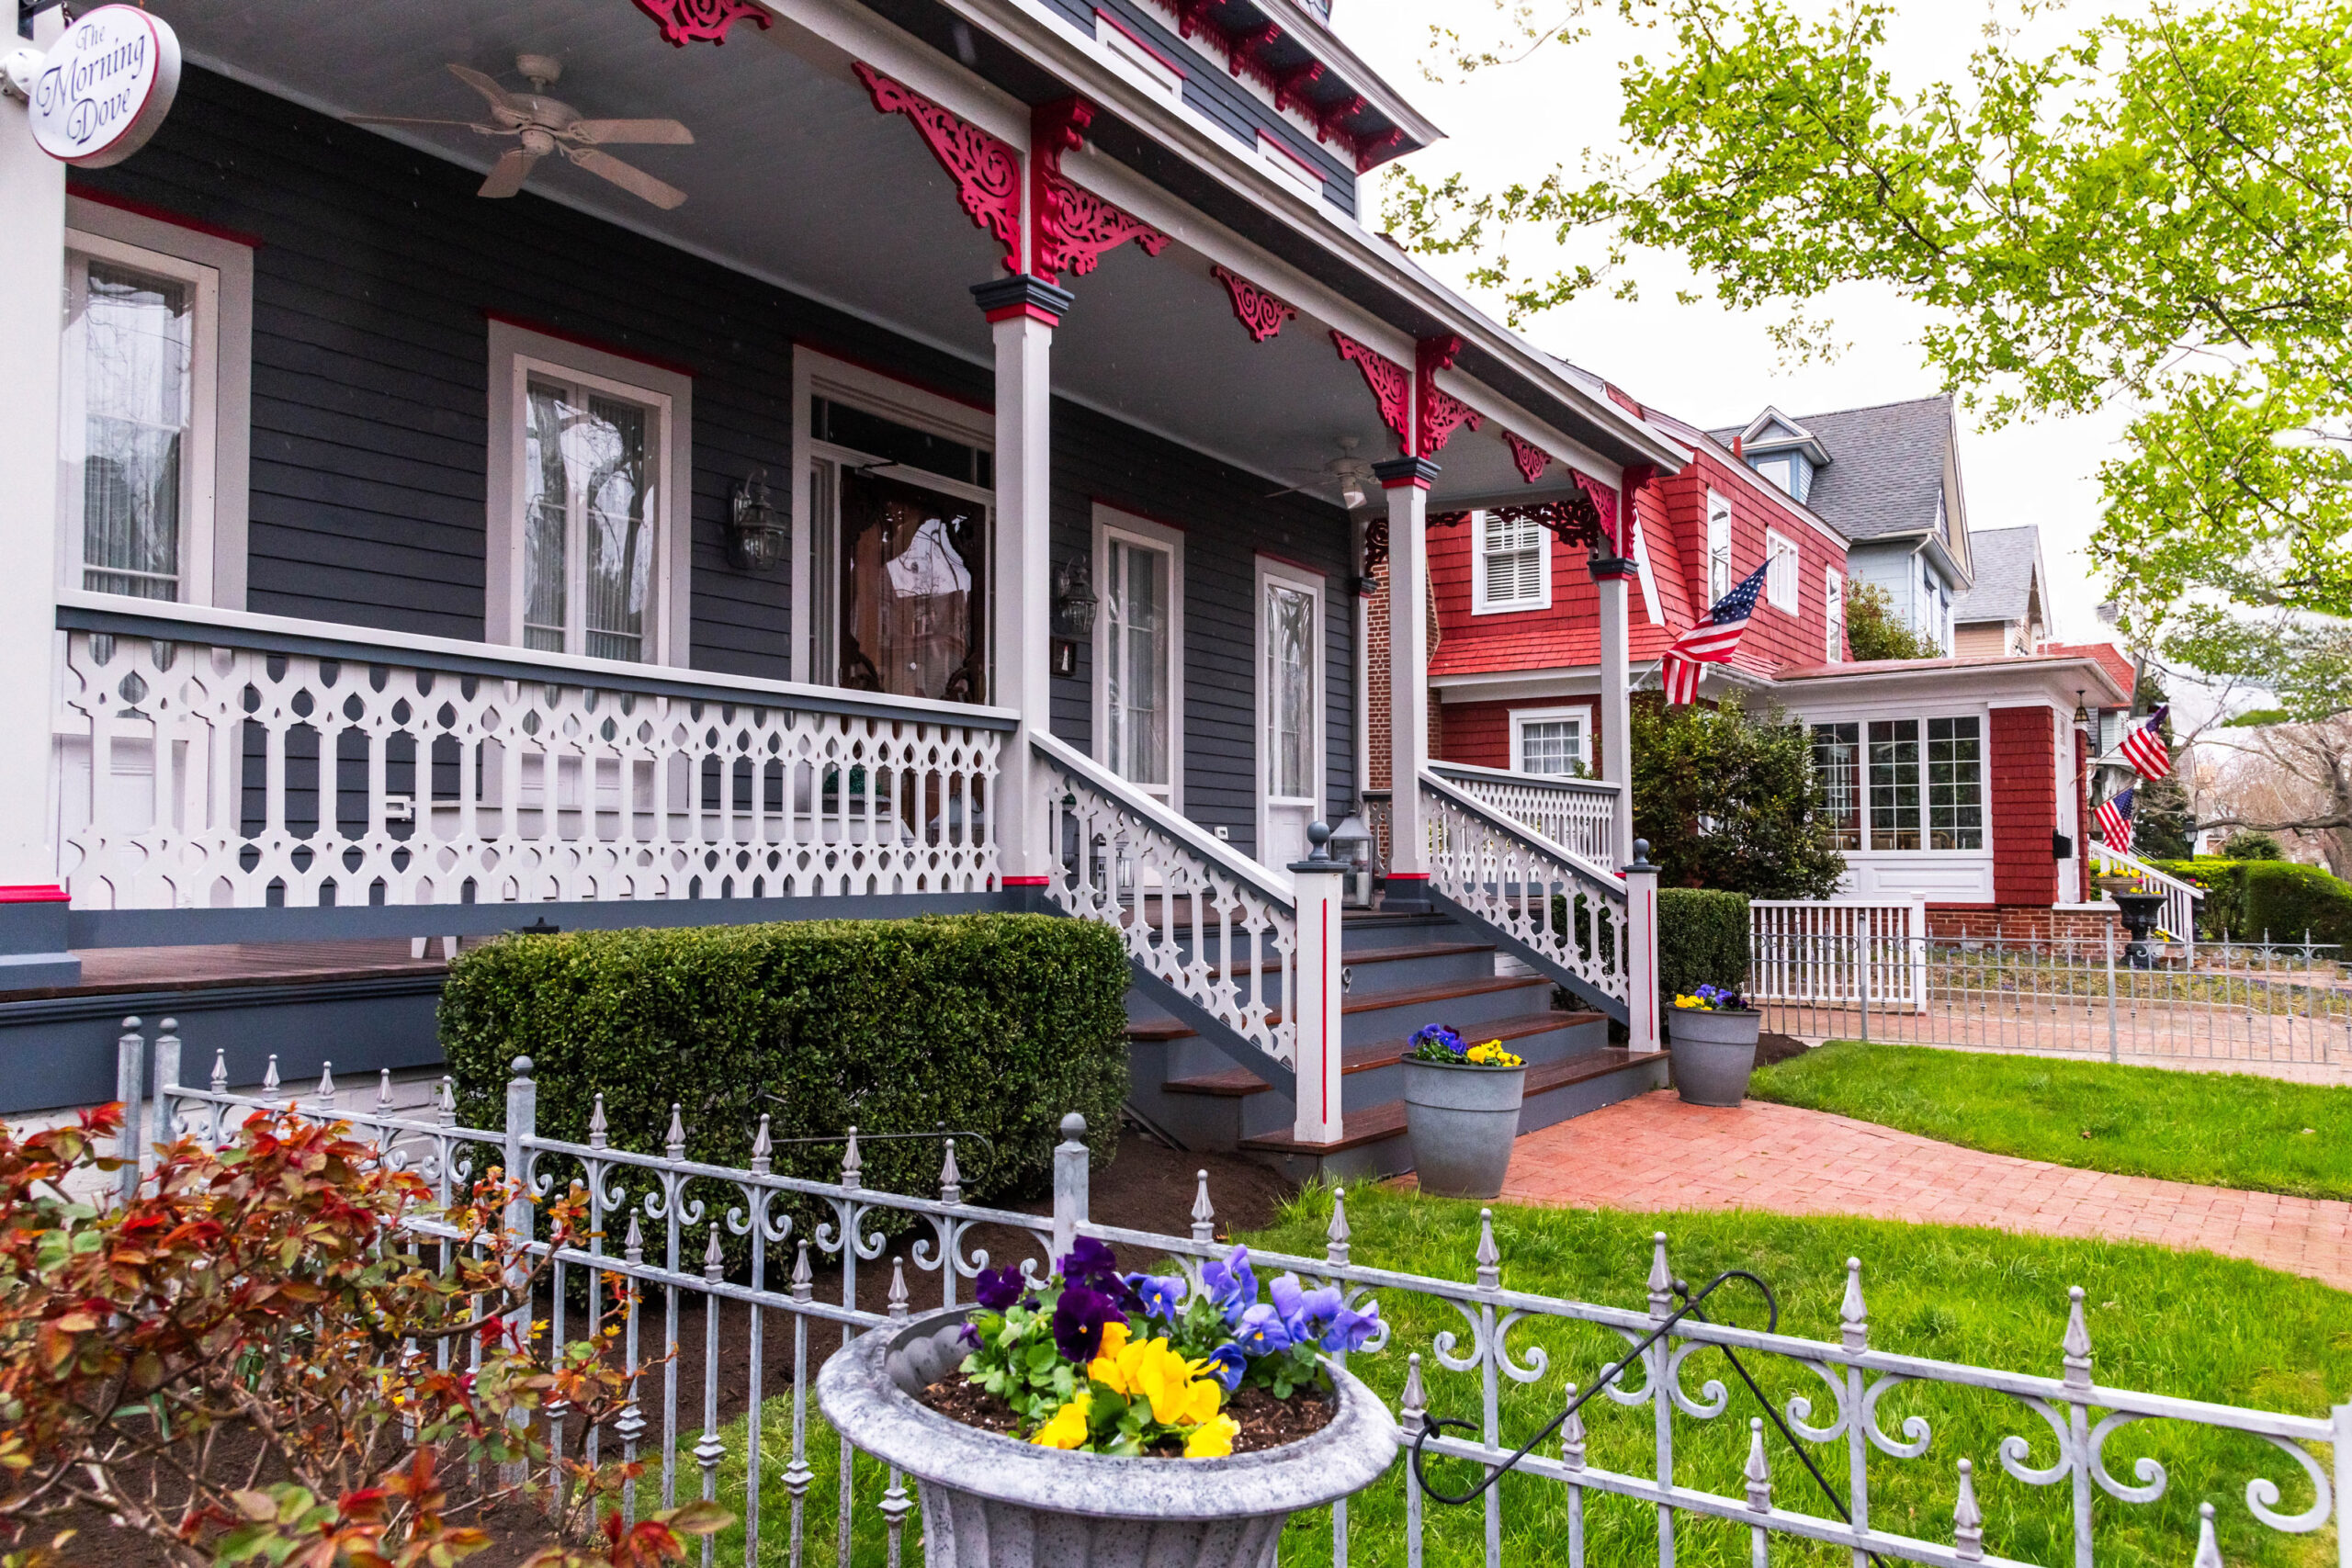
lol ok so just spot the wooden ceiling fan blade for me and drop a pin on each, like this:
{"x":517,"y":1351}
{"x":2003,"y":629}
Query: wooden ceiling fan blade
{"x":634,"y":180}
{"x":644,"y":132}
{"x":487,"y":86}
{"x":507,"y":177}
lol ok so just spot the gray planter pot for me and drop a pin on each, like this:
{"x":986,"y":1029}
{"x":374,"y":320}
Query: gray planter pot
{"x":990,"y":1500}
{"x":1713,"y":1053}
{"x":1460,"y":1122}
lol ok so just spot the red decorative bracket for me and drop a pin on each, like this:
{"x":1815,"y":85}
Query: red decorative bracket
{"x":1290,"y":86}
{"x":1391,"y":385}
{"x":686,"y":21}
{"x":1371,"y":150}
{"x":1436,"y":414}
{"x":1604,"y":505}
{"x":1252,"y":306}
{"x":1074,"y":227}
{"x":986,"y":169}
{"x":1531,"y":459}
{"x":1573,"y":520}
{"x":1375,"y":543}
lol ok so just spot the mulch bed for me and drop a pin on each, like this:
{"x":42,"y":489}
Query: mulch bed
{"x":1772,"y":1048}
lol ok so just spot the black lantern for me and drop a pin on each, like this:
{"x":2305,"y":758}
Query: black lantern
{"x":2081,"y":714}
{"x":1073,"y":612}
{"x":756,"y":536}
{"x":1351,"y":845}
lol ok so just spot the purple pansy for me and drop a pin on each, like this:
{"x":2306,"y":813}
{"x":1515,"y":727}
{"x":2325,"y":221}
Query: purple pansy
{"x":1161,"y":1295}
{"x":1439,"y":1034}
{"x":1232,"y":1284}
{"x":1259,"y":1331}
{"x":1349,"y":1329}
{"x":997,"y":1289}
{"x":1225,"y":1364}
{"x":1078,"y":1318}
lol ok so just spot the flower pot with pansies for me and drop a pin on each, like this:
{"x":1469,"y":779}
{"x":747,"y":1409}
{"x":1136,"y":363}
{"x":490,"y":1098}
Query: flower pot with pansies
{"x":1711,"y":1034}
{"x":1118,"y":1419}
{"x":1460,"y":1111}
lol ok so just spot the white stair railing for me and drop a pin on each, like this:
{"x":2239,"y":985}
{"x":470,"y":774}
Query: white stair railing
{"x":2180,"y":899}
{"x":1564,"y":908}
{"x":1218,"y":928}
{"x":1575,"y":814}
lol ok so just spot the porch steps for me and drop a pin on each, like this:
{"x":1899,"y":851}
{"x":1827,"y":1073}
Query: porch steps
{"x":1403,"y":971}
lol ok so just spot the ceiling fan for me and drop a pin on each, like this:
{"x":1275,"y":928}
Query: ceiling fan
{"x":1347,"y":473}
{"x":546,"y":125}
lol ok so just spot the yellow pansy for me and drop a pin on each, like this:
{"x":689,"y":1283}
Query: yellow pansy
{"x":1067,"y":1429}
{"x":1103,"y":1369}
{"x":1492,"y":1055}
{"x":1213,"y":1439}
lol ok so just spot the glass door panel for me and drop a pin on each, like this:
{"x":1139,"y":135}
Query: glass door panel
{"x":1291,"y":685}
{"x":1136,"y":684}
{"x":913,"y":591}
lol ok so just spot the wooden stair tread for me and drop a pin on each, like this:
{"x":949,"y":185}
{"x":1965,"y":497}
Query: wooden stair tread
{"x":1167,"y":1029}
{"x":1377,"y":956}
{"x":1235,"y":1082}
{"x":1374,"y":1123}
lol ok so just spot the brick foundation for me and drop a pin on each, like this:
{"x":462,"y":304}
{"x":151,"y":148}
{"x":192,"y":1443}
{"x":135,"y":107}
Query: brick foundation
{"x":2018,"y":922}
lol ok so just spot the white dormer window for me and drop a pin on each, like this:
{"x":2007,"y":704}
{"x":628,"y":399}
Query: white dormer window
{"x":1512,"y":566}
{"x":1781,"y":469}
{"x":1719,"y":577}
{"x":1781,"y":576}
{"x":1138,"y":58}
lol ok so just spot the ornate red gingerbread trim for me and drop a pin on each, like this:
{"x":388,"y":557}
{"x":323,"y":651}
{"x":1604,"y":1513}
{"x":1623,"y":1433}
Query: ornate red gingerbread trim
{"x":1604,"y":505}
{"x":1438,"y":414}
{"x":1573,"y":520}
{"x":1391,"y":385}
{"x":986,"y":169}
{"x":1252,"y":306}
{"x":1531,"y":459}
{"x":686,"y":21}
{"x":1074,"y":227}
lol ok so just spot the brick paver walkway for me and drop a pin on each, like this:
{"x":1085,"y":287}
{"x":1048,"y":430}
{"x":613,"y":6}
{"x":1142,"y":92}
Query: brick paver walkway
{"x":1655,"y":1152}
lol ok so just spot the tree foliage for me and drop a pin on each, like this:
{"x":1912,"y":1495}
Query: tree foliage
{"x":1730,"y":802}
{"x":2160,"y":210}
{"x":1875,"y":631}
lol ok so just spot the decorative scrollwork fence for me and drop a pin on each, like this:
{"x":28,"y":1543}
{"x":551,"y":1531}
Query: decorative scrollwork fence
{"x":669,"y":1251}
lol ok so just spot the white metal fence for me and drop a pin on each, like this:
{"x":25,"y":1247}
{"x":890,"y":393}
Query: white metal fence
{"x":1807,"y":950}
{"x":1471,"y":1342}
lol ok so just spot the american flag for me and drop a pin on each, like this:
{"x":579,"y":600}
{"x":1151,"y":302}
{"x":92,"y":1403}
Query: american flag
{"x":2145,"y":747}
{"x":2115,"y":820}
{"x":1713,"y":640}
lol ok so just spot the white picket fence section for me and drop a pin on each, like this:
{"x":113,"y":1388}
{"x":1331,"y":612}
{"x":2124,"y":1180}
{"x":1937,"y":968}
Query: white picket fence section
{"x":1808,"y":950}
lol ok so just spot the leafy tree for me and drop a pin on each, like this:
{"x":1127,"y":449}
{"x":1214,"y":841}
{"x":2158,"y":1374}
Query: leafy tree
{"x":1729,"y":801}
{"x":1875,"y":631}
{"x":2249,"y":843}
{"x":2156,"y":211}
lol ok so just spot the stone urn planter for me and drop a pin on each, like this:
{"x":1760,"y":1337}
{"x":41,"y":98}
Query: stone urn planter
{"x":990,"y":1500}
{"x":1714,"y":1052}
{"x":1460,"y":1121}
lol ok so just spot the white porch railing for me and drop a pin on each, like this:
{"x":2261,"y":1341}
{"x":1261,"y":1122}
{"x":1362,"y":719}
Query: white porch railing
{"x":1565,"y":909}
{"x":1575,"y":814}
{"x":1805,"y":950}
{"x":2180,"y":900}
{"x":210,"y":759}
{"x":1215,"y":926}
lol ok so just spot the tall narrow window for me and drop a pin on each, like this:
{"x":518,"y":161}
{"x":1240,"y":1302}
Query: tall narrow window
{"x":1838,"y":763}
{"x":1135,"y":658}
{"x":136,"y":410}
{"x":1513,"y":564}
{"x":589,"y":518}
{"x":1833,"y":601}
{"x":1781,"y":579}
{"x":1719,"y":578}
{"x":1894,"y":783}
{"x":1955,"y":784}
{"x":1290,"y":708}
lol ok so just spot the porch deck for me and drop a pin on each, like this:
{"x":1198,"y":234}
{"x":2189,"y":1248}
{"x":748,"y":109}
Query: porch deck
{"x":116,"y":971}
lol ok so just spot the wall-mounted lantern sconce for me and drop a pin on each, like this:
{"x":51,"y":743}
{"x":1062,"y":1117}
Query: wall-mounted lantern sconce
{"x":756,"y":536}
{"x":1073,"y":612}
{"x":2081,"y":714}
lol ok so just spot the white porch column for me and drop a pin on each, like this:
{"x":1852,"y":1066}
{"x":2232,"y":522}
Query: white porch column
{"x":1023,"y":312}
{"x":32,"y":282}
{"x":1610,"y":576}
{"x":1407,"y":481}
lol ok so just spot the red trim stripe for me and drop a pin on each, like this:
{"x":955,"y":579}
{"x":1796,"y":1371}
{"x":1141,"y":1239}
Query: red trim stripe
{"x":75,"y":188}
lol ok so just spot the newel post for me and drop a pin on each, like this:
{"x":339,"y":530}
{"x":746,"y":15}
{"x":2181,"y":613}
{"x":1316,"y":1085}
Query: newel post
{"x":1641,"y":949}
{"x":1070,"y":1186}
{"x":522,"y":1124}
{"x":1314,"y":1005}
{"x":131,"y":1088}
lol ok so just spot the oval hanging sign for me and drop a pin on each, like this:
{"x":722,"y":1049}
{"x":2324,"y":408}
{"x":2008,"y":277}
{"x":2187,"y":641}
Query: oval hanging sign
{"x":104,"y":86}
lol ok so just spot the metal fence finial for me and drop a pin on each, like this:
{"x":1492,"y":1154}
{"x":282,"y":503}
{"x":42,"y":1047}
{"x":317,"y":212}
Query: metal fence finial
{"x":803,"y":1282}
{"x":1758,"y":1470}
{"x":1336,"y":1235}
{"x":1572,"y":1434}
{"x":269,"y":1080}
{"x":1490,"y":1257}
{"x":763,"y":1149}
{"x":2208,"y":1551}
{"x":898,"y":1297}
{"x":383,"y":1091}
{"x":219,"y":1072}
{"x":599,"y":1130}
{"x":1414,"y":1403}
{"x":323,"y":1102}
{"x":852,"y":1164}
{"x":1854,"y":1316}
{"x":674,"y":1140}
{"x":633,"y":1245}
{"x":951,"y":1179}
{"x":2077,"y":1343}
{"x":1967,"y":1519}
{"x":445,"y":1104}
{"x":714,"y":1262}
{"x":1203,"y":1213}
{"x":1661,"y":1282}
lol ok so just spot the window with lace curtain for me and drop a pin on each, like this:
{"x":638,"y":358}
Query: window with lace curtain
{"x":1512,"y":565}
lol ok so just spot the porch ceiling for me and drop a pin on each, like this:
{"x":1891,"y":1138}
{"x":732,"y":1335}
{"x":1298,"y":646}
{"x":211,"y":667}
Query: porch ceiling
{"x":794,"y":178}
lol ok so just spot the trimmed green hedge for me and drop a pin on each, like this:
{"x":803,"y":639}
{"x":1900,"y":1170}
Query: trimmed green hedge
{"x":2287,"y":900}
{"x":1702,"y":939}
{"x":993,"y":1023}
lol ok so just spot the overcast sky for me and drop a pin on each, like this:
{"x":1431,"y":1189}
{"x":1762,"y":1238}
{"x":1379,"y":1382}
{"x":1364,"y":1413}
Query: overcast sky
{"x":1700,"y":362}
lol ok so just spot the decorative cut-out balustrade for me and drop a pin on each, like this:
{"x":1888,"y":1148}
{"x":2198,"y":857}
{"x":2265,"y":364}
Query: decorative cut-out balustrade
{"x":262,"y":763}
{"x":1213,"y":926}
{"x":1466,"y":1346}
{"x":1575,"y":814}
{"x":1561,"y":911}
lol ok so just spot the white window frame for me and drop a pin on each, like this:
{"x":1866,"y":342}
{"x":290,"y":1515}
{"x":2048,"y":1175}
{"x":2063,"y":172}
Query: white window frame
{"x":1719,"y":574}
{"x":1140,"y":532}
{"x":1480,"y":605}
{"x":217,"y":470}
{"x":1833,"y":603}
{"x":1132,"y":56}
{"x":1780,"y":580}
{"x":1319,"y":762}
{"x":1580,"y":715}
{"x":516,"y":353}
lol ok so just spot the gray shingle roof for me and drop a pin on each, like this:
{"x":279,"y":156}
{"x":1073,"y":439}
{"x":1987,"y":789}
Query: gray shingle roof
{"x":2005,"y":559}
{"x":1886,"y":466}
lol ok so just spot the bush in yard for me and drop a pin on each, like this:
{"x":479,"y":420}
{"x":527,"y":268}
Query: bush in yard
{"x":240,"y":1363}
{"x":1701,"y":939}
{"x":1730,"y":801}
{"x":997,"y":1024}
{"x":2251,"y":843}
{"x":2287,"y":900}
{"x":2222,"y":909}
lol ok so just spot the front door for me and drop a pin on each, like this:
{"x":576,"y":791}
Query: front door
{"x":1290,"y":710}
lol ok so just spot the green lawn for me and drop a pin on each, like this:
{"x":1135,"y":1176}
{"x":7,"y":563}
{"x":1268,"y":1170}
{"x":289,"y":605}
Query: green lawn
{"x":2221,"y":1129}
{"x":2188,"y":1324}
